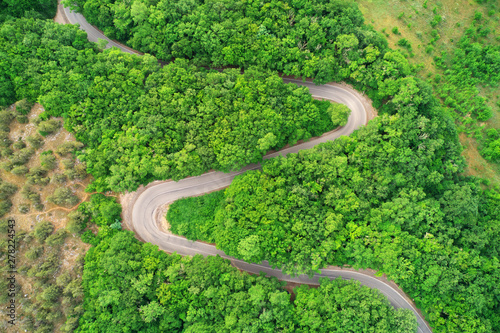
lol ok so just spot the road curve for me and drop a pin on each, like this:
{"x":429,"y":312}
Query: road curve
{"x":147,"y":204}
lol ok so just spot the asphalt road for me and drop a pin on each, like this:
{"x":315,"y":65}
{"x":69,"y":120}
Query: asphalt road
{"x":146,"y":205}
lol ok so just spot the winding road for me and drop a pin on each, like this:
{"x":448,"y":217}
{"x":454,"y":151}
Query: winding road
{"x":144,"y":212}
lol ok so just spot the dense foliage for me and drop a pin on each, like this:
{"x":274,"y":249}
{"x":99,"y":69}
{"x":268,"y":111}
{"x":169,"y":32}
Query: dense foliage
{"x":308,"y":38}
{"x":325,"y":40}
{"x":193,"y":217}
{"x":361,"y":201}
{"x":390,"y":197}
{"x":34,"y":8}
{"x":131,"y":286}
{"x":343,"y":306}
{"x":141,"y":122}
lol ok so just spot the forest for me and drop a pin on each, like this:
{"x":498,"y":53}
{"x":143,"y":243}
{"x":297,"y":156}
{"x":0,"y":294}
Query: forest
{"x":391,"y":197}
{"x":359,"y":202}
{"x":300,"y":39}
{"x":132,"y":286}
{"x":43,"y":9}
{"x":140,"y":122}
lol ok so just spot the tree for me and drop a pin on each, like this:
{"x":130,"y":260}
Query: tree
{"x":339,"y":114}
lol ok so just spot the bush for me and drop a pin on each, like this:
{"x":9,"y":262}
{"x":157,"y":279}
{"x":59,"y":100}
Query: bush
{"x":22,"y":156}
{"x":20,"y":170}
{"x":103,"y":210}
{"x":37,"y":175}
{"x":80,"y":171}
{"x":49,"y":295}
{"x":48,"y":127}
{"x":70,"y":173}
{"x":23,"y":107}
{"x":6,"y":117}
{"x":57,"y":238}
{"x":35,"y":141}
{"x":6,"y":165}
{"x":5,"y":206}
{"x":77,"y":221}
{"x":4,"y":139}
{"x":89,"y":238}
{"x":60,"y":178}
{"x":68,"y":147}
{"x":395,"y":31}
{"x":22,"y":119}
{"x":34,"y":252}
{"x":404,"y":43}
{"x":6,"y":152}
{"x":43,"y":230}
{"x":436,"y":20}
{"x":6,"y":190}
{"x":19,"y":144}
{"x":63,"y":196}
{"x":24,"y":208}
{"x":68,"y":163}
{"x":38,"y":206}
{"x":29,"y":194}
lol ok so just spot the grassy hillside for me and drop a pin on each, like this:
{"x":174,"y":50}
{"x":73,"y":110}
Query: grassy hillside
{"x":432,"y":28}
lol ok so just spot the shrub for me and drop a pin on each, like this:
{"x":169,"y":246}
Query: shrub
{"x":29,"y":194}
{"x":436,"y":20}
{"x":6,"y":152}
{"x":60,"y":178}
{"x":68,"y":147}
{"x":57,"y":238}
{"x":71,"y":174}
{"x":103,"y":210}
{"x":43,"y":230}
{"x":37,"y":175}
{"x":20,"y":170}
{"x":24,"y":208}
{"x":19,"y":144}
{"x":48,"y":127}
{"x":38,"y":206}
{"x":395,"y":31}
{"x":77,"y":221}
{"x":6,"y":190}
{"x":6,"y":165}
{"x":4,"y":139}
{"x":48,"y":160}
{"x":22,"y":119}
{"x":6,"y":117}
{"x":68,"y":163}
{"x":35,"y":141}
{"x":89,"y":238}
{"x":63,"y":196}
{"x":23,"y":107}
{"x":5,"y":206}
{"x":34,"y":252}
{"x":22,"y":156}
{"x":404,"y":43}
{"x":80,"y":171}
